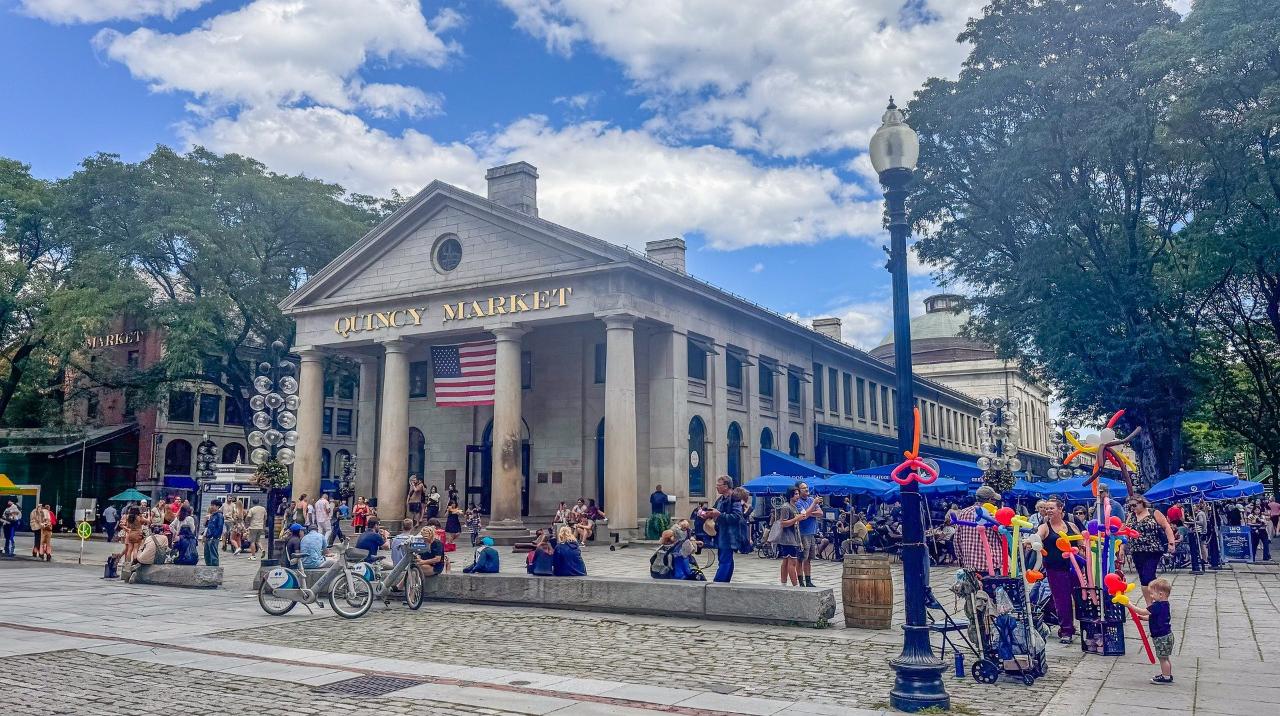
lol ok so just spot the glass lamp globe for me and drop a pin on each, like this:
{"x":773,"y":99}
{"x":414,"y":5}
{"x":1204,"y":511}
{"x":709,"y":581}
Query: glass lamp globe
{"x":289,"y":385}
{"x":984,"y":463}
{"x":292,"y":402}
{"x":285,"y":456}
{"x":287,"y":420}
{"x":257,"y":403}
{"x":259,"y":456}
{"x":262,"y":384}
{"x":1015,"y":464}
{"x":256,"y":439}
{"x":261,"y":421}
{"x":274,"y":401}
{"x":895,"y":144}
{"x":273,"y":437}
{"x":291,"y":438}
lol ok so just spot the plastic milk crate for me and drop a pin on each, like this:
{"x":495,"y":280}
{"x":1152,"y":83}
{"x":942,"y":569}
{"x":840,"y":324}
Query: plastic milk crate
{"x":1101,"y":622}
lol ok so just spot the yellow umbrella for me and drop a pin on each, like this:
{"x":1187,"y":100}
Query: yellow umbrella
{"x":8,"y":488}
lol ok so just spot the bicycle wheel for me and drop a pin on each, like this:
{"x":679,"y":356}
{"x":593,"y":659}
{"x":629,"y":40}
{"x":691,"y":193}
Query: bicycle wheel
{"x":271,"y":604}
{"x":706,"y":559}
{"x":413,"y":588}
{"x":351,"y":603}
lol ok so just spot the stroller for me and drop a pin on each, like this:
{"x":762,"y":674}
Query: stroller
{"x":669,"y":562}
{"x":1012,"y":642}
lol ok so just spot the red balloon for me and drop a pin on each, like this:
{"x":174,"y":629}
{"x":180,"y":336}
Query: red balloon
{"x":1114,"y":583}
{"x":1004,"y":516}
{"x":1115,"y":521}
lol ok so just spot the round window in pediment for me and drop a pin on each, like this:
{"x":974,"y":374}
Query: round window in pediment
{"x":448,"y":253}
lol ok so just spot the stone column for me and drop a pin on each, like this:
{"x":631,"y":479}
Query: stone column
{"x":669,"y":416}
{"x":620,"y":423}
{"x":718,"y":430}
{"x":306,"y":466}
{"x":504,"y":512}
{"x":751,"y":423}
{"x":393,"y":433}
{"x":367,"y":426}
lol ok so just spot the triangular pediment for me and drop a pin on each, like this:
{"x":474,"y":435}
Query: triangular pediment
{"x":411,"y":251}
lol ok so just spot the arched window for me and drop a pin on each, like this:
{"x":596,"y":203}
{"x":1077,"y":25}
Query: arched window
{"x":697,"y":457}
{"x":735,"y":453}
{"x":340,"y":461}
{"x":417,"y":453}
{"x":326,"y":463}
{"x":766,"y":439}
{"x":177,"y":458}
{"x":793,"y":445}
{"x":232,"y":453}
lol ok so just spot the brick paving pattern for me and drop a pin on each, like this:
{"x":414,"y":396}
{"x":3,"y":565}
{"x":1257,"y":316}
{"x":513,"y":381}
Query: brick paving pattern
{"x":772,"y":663}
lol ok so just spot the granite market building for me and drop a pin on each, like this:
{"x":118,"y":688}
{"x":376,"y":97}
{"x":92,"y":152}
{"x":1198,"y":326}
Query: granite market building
{"x":611,"y":371}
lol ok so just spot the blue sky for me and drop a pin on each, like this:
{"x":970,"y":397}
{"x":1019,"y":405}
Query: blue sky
{"x":738,"y":124}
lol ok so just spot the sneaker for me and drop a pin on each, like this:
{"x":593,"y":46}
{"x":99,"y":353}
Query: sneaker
{"x":1066,"y":639}
{"x":1161,"y":679}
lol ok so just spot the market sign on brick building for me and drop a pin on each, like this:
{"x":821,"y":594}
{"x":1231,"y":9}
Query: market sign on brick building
{"x":114,"y":339}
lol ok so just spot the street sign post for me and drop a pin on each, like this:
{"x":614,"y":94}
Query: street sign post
{"x":84,"y":530}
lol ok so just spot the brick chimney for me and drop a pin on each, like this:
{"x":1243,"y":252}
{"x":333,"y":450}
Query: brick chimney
{"x":829,"y":327}
{"x":514,"y":186}
{"x":668,"y":252}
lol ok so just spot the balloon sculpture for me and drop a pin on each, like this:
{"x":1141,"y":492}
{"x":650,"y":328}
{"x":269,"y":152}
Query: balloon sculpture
{"x":1102,"y":447}
{"x":916,"y":466}
{"x":1117,"y":588}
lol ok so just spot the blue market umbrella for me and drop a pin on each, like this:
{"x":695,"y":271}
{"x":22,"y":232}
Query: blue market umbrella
{"x":1242,"y":488}
{"x":959,"y":470}
{"x":1025,"y":488}
{"x":1076,"y":489}
{"x":1189,"y":485}
{"x":771,"y":484}
{"x":854,"y":486}
{"x":941,"y":487}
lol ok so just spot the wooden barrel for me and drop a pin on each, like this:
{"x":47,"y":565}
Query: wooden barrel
{"x":867,"y":588}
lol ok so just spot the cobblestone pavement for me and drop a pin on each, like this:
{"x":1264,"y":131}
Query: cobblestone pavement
{"x":744,"y":661}
{"x":37,"y":685}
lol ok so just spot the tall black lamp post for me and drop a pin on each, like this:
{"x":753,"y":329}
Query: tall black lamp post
{"x":275,"y":405}
{"x":917,"y":671}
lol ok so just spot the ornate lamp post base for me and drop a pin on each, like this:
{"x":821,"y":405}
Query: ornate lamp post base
{"x":917,"y":681}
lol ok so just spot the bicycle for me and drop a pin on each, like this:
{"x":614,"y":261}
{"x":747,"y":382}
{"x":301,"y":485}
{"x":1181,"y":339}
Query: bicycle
{"x":384,"y":582}
{"x":286,"y":587}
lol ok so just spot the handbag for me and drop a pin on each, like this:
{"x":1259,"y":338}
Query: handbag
{"x":775,"y":532}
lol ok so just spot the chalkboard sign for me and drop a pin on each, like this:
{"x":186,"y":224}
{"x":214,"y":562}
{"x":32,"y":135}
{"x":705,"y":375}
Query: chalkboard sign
{"x":1237,"y":544}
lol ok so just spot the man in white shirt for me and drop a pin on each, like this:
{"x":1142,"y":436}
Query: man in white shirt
{"x":324,"y":516}
{"x":110,"y":518}
{"x":256,"y":523}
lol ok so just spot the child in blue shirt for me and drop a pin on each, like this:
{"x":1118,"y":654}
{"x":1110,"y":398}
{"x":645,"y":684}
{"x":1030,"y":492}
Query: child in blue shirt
{"x":1160,"y":627}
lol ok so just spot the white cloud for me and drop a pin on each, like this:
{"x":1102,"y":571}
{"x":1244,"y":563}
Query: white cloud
{"x":285,"y":52}
{"x":89,"y":11}
{"x":789,"y":78}
{"x":624,"y":186}
{"x":865,"y":322}
{"x":758,"y":267}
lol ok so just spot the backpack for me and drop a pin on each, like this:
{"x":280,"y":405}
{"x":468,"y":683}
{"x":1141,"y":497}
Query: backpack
{"x":660,"y":566}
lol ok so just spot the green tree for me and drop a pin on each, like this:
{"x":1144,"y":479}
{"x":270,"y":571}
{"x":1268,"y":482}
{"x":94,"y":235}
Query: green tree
{"x":1045,"y":191}
{"x":1223,"y":65}
{"x":221,"y":240}
{"x":54,"y":289}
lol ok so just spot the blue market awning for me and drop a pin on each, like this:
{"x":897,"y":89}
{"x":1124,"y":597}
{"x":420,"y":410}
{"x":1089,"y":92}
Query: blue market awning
{"x":1242,"y":488}
{"x":960,"y":471}
{"x":774,"y":462}
{"x":770,"y":484}
{"x":180,"y":482}
{"x":1025,"y":488}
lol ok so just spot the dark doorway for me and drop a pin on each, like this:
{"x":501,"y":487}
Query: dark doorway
{"x":480,"y":471}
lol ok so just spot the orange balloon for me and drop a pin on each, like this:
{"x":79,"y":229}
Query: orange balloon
{"x":1033,"y":576}
{"x":1064,"y":544}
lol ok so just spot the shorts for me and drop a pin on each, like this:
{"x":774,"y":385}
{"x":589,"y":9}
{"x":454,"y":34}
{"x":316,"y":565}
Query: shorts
{"x":789,"y":550}
{"x":1146,"y":562}
{"x":1163,"y":646}
{"x":806,"y":546}
{"x":256,"y":535}
{"x":415,"y":507}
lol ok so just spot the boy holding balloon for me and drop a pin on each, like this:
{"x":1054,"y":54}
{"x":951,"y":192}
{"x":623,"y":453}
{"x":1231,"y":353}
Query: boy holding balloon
{"x":1159,"y":623}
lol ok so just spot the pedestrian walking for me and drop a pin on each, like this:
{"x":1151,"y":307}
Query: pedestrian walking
{"x":1161,"y":628}
{"x":786,"y":537}
{"x":42,"y":532}
{"x":234,"y":522}
{"x":110,"y":519}
{"x":1155,"y":538}
{"x":727,"y":516}
{"x":134,"y":527}
{"x":810,"y":509}
{"x":324,"y":516}
{"x":1058,"y":570}
{"x":9,"y":519}
{"x":213,"y":533}
{"x":360,"y":515}
{"x":256,"y":524}
{"x":1258,"y":533}
{"x":335,"y":526}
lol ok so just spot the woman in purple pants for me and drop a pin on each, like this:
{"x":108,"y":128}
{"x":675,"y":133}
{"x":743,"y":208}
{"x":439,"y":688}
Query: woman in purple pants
{"x":1057,"y":569}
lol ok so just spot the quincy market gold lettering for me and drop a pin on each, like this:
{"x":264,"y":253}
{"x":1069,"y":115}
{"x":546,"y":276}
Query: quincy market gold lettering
{"x":510,"y":303}
{"x":378,"y":320}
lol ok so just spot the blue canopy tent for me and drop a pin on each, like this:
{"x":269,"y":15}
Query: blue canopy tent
{"x":773,"y":462}
{"x":770,"y":484}
{"x":1242,"y":488}
{"x":1026,"y":489}
{"x":1075,"y":489}
{"x":854,"y":486}
{"x":941,"y":487}
{"x":960,"y":471}
{"x":1189,"y":485}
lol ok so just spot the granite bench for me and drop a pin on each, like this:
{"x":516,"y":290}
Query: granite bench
{"x":757,"y":603}
{"x":176,"y":575}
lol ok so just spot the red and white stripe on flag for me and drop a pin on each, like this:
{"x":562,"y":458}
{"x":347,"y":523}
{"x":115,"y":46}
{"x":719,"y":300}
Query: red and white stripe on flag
{"x":464,"y":373}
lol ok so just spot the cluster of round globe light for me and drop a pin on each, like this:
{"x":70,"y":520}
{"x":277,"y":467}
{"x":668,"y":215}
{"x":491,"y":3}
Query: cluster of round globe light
{"x":999,"y":434}
{"x":275,"y":417}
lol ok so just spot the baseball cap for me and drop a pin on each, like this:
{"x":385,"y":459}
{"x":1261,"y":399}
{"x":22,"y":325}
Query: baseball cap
{"x":486,"y":541}
{"x":295,"y":527}
{"x":986,"y":492}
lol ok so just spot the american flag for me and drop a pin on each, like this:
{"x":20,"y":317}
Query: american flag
{"x":464,"y":373}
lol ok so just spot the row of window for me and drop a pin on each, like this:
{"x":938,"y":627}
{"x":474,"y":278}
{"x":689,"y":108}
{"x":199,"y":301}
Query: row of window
{"x":183,"y":406}
{"x":177,"y":456}
{"x":736,"y":462}
{"x":874,"y":402}
{"x":735,"y":371}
